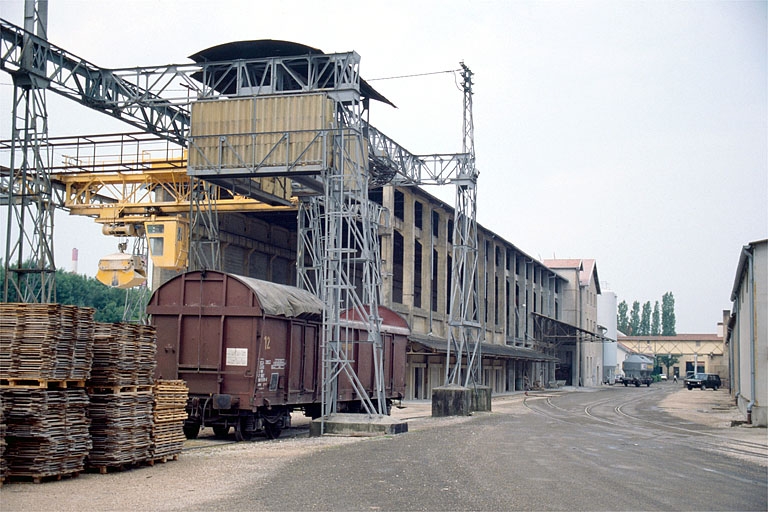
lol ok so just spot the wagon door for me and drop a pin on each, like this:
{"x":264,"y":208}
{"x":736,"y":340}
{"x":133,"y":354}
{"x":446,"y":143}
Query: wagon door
{"x":271,"y":383}
{"x":300,"y":371}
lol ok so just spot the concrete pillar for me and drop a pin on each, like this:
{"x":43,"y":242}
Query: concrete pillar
{"x":451,"y":400}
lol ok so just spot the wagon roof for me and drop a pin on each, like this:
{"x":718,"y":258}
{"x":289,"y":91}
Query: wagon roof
{"x":280,"y":299}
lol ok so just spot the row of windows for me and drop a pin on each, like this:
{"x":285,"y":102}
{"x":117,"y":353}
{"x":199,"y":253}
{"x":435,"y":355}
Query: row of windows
{"x":500,"y":307}
{"x":501,"y":304}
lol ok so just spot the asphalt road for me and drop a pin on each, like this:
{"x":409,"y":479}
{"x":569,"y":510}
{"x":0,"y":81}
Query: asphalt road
{"x":611,"y":448}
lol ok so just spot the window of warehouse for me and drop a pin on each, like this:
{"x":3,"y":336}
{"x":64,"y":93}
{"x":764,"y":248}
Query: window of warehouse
{"x":399,"y":209}
{"x":418,"y":214}
{"x":397,"y":268}
{"x":417,"y":275}
{"x":435,"y":265}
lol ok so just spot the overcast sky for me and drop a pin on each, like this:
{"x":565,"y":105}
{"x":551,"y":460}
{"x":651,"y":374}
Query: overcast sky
{"x":634,"y":133}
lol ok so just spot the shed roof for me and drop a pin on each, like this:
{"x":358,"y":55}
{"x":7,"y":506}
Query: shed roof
{"x":265,"y":48}
{"x":440,"y":345}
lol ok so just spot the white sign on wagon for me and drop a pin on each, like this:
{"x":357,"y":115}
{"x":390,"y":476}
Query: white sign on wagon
{"x":237,"y":357}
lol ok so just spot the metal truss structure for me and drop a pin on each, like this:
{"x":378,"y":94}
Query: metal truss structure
{"x":30,"y":271}
{"x":338,"y":254}
{"x":136,"y":298}
{"x":466,"y":331}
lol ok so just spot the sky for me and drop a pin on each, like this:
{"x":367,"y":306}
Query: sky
{"x":632,"y":133}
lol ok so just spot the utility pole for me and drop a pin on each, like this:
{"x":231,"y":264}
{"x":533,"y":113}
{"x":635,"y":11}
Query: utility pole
{"x":466,"y":331}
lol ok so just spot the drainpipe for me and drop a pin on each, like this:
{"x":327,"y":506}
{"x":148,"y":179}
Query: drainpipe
{"x":750,"y":261}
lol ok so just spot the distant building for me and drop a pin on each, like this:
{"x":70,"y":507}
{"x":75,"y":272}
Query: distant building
{"x":747,"y":335}
{"x":579,"y":309}
{"x":607,"y":323}
{"x":702,"y":353}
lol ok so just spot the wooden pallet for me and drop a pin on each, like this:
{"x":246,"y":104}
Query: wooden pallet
{"x":161,"y":459}
{"x":113,"y":390}
{"x":38,"y":478}
{"x":41,"y":383}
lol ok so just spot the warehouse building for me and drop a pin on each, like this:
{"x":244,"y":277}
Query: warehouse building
{"x":538,"y":320}
{"x":747,"y":334}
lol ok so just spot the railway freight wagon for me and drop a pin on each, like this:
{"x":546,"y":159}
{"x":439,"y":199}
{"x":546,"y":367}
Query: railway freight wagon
{"x":249,"y":351}
{"x":637,"y":370}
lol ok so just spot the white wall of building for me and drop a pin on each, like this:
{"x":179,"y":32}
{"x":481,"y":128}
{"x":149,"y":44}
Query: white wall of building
{"x":606,"y":318}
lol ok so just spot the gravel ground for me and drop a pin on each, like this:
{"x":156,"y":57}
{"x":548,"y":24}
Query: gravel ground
{"x":202,"y":474}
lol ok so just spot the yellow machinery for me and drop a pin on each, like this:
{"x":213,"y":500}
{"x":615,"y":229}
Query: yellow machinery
{"x":121,"y":270}
{"x":168,"y":239}
{"x":153,"y":201}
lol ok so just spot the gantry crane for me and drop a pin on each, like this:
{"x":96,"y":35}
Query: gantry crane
{"x":338,"y":161}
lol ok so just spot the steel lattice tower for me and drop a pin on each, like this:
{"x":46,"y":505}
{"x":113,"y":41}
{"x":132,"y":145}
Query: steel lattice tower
{"x":466,"y":331}
{"x":30,"y":271}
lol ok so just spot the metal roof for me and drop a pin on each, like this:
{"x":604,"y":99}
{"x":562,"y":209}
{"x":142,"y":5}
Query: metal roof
{"x":266,"y":48}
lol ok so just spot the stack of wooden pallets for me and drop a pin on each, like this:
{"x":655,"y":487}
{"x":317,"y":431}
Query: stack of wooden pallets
{"x":3,"y":464}
{"x":46,"y":431}
{"x":44,"y":360}
{"x":82,"y":360}
{"x":121,"y":425}
{"x":170,"y":400}
{"x":120,"y":390}
{"x":75,"y":393}
{"x":45,"y":341}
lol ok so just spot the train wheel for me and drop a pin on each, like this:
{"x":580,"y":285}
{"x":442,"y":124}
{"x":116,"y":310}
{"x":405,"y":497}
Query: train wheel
{"x":221,"y":431}
{"x":191,"y":430}
{"x":245,"y":431}
{"x":272,"y":430}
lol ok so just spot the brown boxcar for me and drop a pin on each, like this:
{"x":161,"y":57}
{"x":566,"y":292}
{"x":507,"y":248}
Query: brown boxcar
{"x":249,"y":351}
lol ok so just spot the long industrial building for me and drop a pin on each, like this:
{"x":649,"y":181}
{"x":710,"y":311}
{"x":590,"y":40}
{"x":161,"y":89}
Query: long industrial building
{"x":540,"y":322}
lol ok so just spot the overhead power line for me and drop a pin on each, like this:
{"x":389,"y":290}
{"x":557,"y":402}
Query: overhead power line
{"x":413,"y":75}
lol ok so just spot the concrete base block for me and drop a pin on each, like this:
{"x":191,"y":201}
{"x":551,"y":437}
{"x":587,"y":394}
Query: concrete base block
{"x":357,"y":425}
{"x":451,"y":401}
{"x":481,"y":399}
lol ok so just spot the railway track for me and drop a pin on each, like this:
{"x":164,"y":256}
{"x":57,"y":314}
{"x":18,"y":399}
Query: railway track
{"x":623,"y":411}
{"x":209,"y":441}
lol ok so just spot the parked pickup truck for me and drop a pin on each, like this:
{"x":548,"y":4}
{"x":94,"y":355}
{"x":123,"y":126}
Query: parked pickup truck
{"x":703,"y":381}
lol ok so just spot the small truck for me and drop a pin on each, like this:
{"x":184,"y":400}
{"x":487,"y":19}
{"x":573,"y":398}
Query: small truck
{"x":637,"y":370}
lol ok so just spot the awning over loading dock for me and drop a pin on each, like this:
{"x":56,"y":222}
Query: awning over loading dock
{"x":434,"y":345}
{"x":559,"y":333}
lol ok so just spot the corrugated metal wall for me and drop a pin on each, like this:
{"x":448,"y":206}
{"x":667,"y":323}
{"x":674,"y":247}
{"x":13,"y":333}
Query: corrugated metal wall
{"x":265,"y":132}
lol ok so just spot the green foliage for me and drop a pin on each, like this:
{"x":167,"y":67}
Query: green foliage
{"x":634,"y":319}
{"x":622,"y":320}
{"x":656,"y":320}
{"x":651,"y":322}
{"x":668,"y":314}
{"x":667,"y":360}
{"x":77,"y":290}
{"x":645,"y":320}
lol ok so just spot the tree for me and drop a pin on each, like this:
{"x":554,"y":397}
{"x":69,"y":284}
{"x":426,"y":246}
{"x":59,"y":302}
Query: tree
{"x":668,"y":360}
{"x":622,"y":320}
{"x":668,"y":314}
{"x":634,"y":319}
{"x":83,"y":291}
{"x":645,"y":320}
{"x":77,"y":290}
{"x":656,"y":320}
